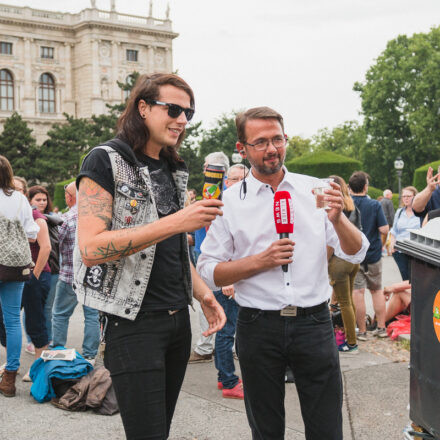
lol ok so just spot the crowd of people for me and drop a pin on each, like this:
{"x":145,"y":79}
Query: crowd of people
{"x":135,"y":247}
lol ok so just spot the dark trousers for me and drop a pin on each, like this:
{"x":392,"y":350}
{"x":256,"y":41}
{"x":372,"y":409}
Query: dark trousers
{"x":35,"y":293}
{"x":266,"y":345}
{"x":403,"y":264}
{"x":224,"y":341}
{"x":147,"y":360}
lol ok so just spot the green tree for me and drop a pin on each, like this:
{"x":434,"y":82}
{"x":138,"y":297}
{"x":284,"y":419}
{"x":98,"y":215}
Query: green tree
{"x":189,"y":152}
{"x":19,"y":147}
{"x":298,"y":146}
{"x":59,"y":155}
{"x":400,"y":103}
{"x":221,"y":137}
{"x":348,"y":139}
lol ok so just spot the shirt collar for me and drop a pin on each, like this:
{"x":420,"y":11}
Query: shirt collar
{"x":254,"y":185}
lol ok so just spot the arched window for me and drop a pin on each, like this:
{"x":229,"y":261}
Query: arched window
{"x":46,"y":94}
{"x":6,"y":90}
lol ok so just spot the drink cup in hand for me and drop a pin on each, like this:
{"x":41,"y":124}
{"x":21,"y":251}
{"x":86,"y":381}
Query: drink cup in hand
{"x":319,"y":193}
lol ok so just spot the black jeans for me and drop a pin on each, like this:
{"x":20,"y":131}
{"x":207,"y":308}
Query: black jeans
{"x":266,"y":344}
{"x":35,"y":293}
{"x":147,"y":360}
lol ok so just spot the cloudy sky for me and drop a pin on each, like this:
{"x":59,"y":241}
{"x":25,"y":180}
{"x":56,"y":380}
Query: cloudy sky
{"x":300,"y":57}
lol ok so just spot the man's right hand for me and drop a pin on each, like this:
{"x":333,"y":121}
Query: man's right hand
{"x":432,"y":181}
{"x":278,"y":253}
{"x":199,"y":214}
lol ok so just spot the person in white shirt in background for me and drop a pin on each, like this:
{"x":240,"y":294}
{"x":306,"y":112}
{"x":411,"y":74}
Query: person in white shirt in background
{"x":282,"y":320}
{"x":13,"y":205}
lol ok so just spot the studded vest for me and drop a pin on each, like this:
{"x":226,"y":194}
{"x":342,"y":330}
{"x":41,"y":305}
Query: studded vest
{"x":118,"y":287}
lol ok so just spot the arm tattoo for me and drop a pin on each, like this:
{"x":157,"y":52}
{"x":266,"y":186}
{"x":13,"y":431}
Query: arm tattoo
{"x":111,"y":252}
{"x":95,"y":202}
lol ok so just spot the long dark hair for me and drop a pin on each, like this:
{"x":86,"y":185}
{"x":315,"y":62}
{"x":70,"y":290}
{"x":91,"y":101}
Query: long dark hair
{"x":6,"y":176}
{"x":37,"y":189}
{"x":131,"y":127}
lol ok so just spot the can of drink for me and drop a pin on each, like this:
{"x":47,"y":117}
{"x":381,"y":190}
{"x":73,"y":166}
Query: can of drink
{"x":214,"y":178}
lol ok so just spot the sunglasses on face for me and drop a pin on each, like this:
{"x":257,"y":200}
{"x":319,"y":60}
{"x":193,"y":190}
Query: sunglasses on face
{"x":174,"y":110}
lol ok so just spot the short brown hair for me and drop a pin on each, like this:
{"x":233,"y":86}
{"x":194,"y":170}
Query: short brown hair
{"x":37,"y":189}
{"x":6,"y":180}
{"x":357,"y":181}
{"x":131,"y":126}
{"x":255,"y":113}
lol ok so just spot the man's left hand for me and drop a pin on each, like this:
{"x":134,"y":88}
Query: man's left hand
{"x":335,"y":202}
{"x":214,"y":314}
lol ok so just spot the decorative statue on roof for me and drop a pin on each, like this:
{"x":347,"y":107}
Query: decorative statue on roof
{"x":150,"y":12}
{"x":113,"y":5}
{"x":168,"y":11}
{"x":93,"y":2}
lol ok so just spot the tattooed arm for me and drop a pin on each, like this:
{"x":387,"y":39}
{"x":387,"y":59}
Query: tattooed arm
{"x":98,"y":244}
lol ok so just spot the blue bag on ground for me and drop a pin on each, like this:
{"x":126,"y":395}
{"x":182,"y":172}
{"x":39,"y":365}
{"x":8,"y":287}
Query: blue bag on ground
{"x":42,"y":373}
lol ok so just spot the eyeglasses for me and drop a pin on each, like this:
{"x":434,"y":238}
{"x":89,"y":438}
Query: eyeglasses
{"x":174,"y":110}
{"x":65,"y":189}
{"x":263,"y":144}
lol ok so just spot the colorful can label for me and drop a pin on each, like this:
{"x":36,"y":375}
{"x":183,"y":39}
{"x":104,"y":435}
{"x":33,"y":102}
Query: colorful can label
{"x":213,"y":186}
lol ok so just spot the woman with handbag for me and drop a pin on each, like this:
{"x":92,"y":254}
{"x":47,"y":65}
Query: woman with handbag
{"x":17,"y":228}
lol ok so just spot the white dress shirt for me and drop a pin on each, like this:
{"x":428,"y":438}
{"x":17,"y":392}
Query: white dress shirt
{"x":247,"y":228}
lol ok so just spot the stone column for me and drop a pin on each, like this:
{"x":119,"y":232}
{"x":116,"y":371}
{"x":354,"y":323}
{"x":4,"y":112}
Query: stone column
{"x":68,"y":69}
{"x":115,"y":92}
{"x":168,"y":59}
{"x":96,"y":83}
{"x":151,"y":62}
{"x":28,"y":95}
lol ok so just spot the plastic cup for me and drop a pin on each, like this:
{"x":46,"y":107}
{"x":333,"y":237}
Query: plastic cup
{"x":319,"y":193}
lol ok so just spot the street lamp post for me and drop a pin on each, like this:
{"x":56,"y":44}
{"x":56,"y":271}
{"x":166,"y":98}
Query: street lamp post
{"x":398,"y":166}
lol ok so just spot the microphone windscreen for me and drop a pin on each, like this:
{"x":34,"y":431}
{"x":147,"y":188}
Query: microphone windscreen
{"x":283,"y":212}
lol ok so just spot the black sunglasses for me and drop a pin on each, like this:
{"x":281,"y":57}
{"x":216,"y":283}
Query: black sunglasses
{"x":174,"y":110}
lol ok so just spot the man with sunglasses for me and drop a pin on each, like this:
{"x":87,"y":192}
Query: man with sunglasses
{"x":132,"y":260}
{"x":283,"y":318}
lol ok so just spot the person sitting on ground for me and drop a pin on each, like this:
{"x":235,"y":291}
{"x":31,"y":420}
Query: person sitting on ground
{"x":400,"y":299}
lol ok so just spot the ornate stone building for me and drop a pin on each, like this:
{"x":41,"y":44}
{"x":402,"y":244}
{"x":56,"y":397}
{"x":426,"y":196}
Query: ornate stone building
{"x":53,"y":62}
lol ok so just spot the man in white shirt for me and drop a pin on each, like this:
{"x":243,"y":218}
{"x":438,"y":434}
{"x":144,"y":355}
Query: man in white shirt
{"x":283,"y":319}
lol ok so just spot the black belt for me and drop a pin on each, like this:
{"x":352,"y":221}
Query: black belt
{"x":289,"y":310}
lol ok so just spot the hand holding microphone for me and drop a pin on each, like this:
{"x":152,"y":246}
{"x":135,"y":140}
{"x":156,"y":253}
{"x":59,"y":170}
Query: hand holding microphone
{"x":283,"y":216}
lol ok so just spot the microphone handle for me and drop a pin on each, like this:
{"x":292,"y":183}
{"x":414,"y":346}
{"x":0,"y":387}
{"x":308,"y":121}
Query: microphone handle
{"x":284,"y":235}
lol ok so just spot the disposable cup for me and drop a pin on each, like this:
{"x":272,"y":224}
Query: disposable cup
{"x":319,"y":193}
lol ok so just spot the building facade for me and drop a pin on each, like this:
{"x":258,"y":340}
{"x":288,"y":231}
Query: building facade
{"x":53,"y":63}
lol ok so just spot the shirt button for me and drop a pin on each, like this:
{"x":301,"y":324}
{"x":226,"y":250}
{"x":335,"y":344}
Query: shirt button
{"x":143,"y":256}
{"x":127,"y":311}
{"x":137,"y":282}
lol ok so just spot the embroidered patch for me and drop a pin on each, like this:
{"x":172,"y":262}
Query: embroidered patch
{"x":95,"y":276}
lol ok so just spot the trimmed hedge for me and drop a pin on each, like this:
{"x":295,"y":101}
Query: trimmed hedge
{"x":323,"y":164}
{"x":58,"y":197}
{"x":419,"y":180}
{"x":374,"y":193}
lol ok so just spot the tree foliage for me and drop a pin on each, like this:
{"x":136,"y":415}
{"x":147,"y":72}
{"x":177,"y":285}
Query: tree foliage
{"x":19,"y":147}
{"x":348,"y":139}
{"x":400,"y":104}
{"x":298,"y":146}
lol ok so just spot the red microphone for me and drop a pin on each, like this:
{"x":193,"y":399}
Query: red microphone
{"x":283,"y":216}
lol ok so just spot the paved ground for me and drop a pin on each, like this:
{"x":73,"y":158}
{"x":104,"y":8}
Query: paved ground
{"x":376,"y":394}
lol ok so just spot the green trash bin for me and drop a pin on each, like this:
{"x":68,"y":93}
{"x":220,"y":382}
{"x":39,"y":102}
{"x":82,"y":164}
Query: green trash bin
{"x":423,"y":247}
